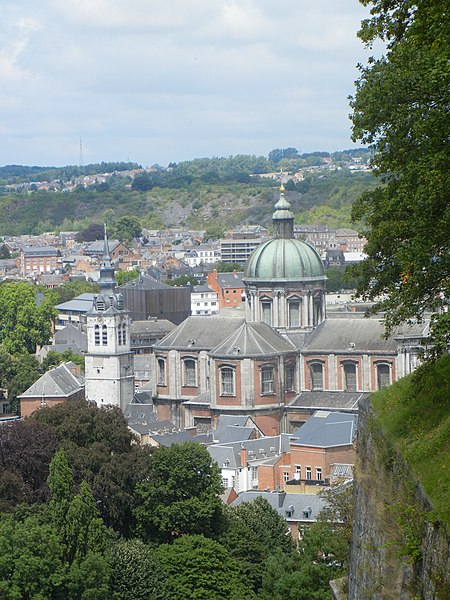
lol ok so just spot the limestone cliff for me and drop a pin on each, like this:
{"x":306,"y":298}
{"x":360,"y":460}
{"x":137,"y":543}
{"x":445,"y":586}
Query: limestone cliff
{"x":400,"y":548}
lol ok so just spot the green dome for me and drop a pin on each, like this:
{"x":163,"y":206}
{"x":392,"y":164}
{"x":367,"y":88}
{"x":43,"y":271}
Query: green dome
{"x":287,"y":259}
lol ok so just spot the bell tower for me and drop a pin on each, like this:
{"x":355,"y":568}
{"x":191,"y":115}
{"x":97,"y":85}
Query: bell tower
{"x":109,"y":372}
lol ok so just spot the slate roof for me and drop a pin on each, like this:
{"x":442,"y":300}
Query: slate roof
{"x":139,"y":413}
{"x":199,"y":333}
{"x":145,"y":282}
{"x":169,"y":439}
{"x":81,"y":303}
{"x":327,"y":430}
{"x":292,"y":507}
{"x":258,"y":451}
{"x":349,"y":335}
{"x":253,"y":340}
{"x":71,"y":336}
{"x":57,"y":382}
{"x":152,"y":326}
{"x":324,"y":400}
{"x":230,"y":280}
{"x":230,"y":427}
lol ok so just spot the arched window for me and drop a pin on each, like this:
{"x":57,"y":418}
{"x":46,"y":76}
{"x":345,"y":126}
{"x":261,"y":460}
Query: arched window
{"x":316,"y":376}
{"x":124,"y":334}
{"x":383,"y":375}
{"x":294,"y":313}
{"x":266,"y":307}
{"x":227,"y":381}
{"x":161,"y":371}
{"x":97,"y":335}
{"x":189,"y":372}
{"x":350,"y":377}
{"x":104,"y":335}
{"x":267,"y":380}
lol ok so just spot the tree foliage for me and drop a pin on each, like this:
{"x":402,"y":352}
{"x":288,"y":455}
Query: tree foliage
{"x":25,"y":318}
{"x":401,"y":109}
{"x":199,"y":568}
{"x":181,"y":495}
{"x":136,"y":572}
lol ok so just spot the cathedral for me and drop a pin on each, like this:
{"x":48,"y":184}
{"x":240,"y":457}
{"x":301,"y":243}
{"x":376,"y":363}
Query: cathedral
{"x":286,"y":358}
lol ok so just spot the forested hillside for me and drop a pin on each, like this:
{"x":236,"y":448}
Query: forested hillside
{"x":201,"y":193}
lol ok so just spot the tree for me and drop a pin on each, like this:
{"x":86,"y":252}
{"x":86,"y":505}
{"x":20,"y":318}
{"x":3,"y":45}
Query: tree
{"x":30,"y":559}
{"x":4,"y":252}
{"x":123,"y":277}
{"x":270,"y":528}
{"x":181,"y":495}
{"x":26,"y":449}
{"x":71,"y":289}
{"x":53,"y":359}
{"x":198,"y":567}
{"x":25,"y":318}
{"x":401,"y":109}
{"x":127,"y":228}
{"x":136,"y":572}
{"x":93,"y":232}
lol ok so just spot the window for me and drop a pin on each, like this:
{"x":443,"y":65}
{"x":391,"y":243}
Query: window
{"x":124,"y":334}
{"x":227,"y":381}
{"x":316,"y":376}
{"x":383,"y":376}
{"x":190,"y":373}
{"x":161,"y":371}
{"x":289,"y":377}
{"x":267,"y":382}
{"x":298,"y":472}
{"x":225,"y":482}
{"x":319,"y":474}
{"x":294,"y":314}
{"x":267,"y":312}
{"x":308,"y":473}
{"x":350,"y":384}
{"x":104,"y":335}
{"x":285,"y":476}
{"x":97,"y":335}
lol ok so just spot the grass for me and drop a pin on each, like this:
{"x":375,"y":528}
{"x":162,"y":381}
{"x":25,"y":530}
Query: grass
{"x":414,"y":414}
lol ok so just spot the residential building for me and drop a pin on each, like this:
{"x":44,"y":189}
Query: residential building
{"x":204,"y":300}
{"x":38,"y":259}
{"x":229,"y":287}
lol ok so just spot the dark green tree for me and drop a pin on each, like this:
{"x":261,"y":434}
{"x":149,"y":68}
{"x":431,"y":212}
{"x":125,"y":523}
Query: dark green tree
{"x":126,"y":228}
{"x":199,"y":567}
{"x":94,"y":231}
{"x":181,"y":495}
{"x":53,"y":359}
{"x":136,"y":572}
{"x":270,"y":528}
{"x":401,"y":109}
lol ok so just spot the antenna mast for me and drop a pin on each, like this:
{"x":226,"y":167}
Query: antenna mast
{"x":81,"y":164}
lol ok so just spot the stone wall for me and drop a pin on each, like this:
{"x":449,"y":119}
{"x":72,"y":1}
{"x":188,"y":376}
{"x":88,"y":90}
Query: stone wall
{"x":399,"y":552}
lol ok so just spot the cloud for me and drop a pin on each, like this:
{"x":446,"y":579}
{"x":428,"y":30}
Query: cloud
{"x":163,"y":81}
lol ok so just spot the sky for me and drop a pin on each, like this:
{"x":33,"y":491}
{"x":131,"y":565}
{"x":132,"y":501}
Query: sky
{"x":151,"y":81}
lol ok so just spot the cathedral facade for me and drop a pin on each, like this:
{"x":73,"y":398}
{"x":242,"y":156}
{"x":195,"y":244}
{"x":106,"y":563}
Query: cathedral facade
{"x":286,"y":358}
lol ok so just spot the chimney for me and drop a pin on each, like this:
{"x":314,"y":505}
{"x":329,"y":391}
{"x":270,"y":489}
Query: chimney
{"x":281,"y":497}
{"x":243,"y":456}
{"x":214,"y":273}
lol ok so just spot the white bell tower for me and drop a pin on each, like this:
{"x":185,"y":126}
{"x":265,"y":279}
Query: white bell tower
{"x":109,"y":370}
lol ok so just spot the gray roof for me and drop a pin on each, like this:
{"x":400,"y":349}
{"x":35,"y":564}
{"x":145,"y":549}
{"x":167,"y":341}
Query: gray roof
{"x":258,"y":451}
{"x":350,"y":336}
{"x":39,"y":250}
{"x":326,"y":430}
{"x":71,"y":336}
{"x":230,"y":427}
{"x":199,"y":333}
{"x":253,"y":339}
{"x":58,"y":382}
{"x":144,"y":282}
{"x":292,"y":507}
{"x":81,"y":303}
{"x":169,"y":439}
{"x":323,"y":400}
{"x":152,"y":326}
{"x":139,"y":413}
{"x":230,"y":280}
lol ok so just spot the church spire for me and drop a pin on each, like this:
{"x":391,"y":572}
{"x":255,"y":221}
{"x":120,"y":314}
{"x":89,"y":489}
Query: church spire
{"x":107,"y":279}
{"x":283,"y":217}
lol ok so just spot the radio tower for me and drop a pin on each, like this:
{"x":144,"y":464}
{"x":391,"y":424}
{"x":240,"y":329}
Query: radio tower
{"x":81,"y":154}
